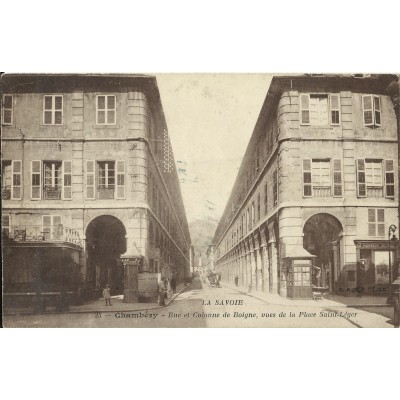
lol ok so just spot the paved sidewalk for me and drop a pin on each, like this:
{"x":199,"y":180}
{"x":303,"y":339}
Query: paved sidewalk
{"x":99,"y":305}
{"x":272,"y":298}
{"x":366,"y":317}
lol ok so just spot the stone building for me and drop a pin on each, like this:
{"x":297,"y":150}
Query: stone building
{"x":88,"y":171}
{"x":317,"y":190}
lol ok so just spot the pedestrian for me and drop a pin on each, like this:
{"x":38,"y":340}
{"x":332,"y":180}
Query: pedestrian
{"x":161,"y":293}
{"x":173,"y":284}
{"x":236,"y":280}
{"x":107,"y":295}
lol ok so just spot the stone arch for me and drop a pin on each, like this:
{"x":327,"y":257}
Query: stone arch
{"x":105,"y":242}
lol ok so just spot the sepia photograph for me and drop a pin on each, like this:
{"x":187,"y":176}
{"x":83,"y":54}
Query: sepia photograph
{"x":200,"y":200}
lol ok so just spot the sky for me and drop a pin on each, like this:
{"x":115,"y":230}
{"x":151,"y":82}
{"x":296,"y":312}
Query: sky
{"x":210,"y":119}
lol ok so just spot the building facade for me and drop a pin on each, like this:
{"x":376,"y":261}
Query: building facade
{"x":87,"y":168}
{"x":317,"y":190}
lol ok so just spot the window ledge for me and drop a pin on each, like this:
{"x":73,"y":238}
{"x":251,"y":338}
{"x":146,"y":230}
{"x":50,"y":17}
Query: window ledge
{"x":95,"y":126}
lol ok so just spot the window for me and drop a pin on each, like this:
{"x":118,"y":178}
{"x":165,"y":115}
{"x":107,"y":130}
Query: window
{"x":275,"y":179}
{"x":317,"y":178}
{"x":7,"y":109}
{"x":253,"y":215}
{"x":373,"y":175}
{"x":105,"y":110}
{"x":110,"y":179}
{"x":5,"y":225}
{"x":51,"y":180}
{"x":371,"y":110}
{"x":53,"y":110}
{"x":319,"y":109}
{"x":266,"y":197}
{"x":258,"y":206}
{"x":389,"y":178}
{"x":52,"y":227}
{"x":106,"y":182}
{"x":376,"y":222}
{"x":6,"y":177}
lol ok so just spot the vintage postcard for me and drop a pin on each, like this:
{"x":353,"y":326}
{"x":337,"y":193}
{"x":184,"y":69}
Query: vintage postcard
{"x":200,"y":200}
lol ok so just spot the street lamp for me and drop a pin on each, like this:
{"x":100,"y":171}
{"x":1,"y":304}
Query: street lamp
{"x":392,"y":237}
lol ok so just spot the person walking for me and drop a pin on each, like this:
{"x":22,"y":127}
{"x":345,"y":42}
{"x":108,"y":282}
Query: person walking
{"x":107,"y":295}
{"x":161,"y":293}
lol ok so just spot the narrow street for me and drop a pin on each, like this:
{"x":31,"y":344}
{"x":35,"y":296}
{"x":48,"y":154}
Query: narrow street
{"x":202,"y":306}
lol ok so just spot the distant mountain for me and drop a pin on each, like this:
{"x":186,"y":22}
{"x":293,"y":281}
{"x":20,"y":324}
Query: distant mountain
{"x":201,"y":233}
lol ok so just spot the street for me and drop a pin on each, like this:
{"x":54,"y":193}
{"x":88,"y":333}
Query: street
{"x":202,"y":306}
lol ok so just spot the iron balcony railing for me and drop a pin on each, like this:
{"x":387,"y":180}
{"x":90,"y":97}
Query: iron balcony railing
{"x":106,"y":192}
{"x":52,"y":193}
{"x":37,"y":233}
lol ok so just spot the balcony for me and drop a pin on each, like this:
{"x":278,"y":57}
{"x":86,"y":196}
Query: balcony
{"x":6,"y":192}
{"x":374,"y":191}
{"x":52,"y":193}
{"x":321,"y":191}
{"x":37,"y":233}
{"x":106,"y":192}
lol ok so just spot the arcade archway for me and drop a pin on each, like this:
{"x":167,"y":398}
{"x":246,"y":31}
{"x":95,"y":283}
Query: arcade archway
{"x":321,"y":238}
{"x":105,"y":242}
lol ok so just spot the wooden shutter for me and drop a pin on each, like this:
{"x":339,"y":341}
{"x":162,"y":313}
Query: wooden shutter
{"x":335,"y":109}
{"x":67,"y":180}
{"x":371,"y":222}
{"x":337,"y":178}
{"x":377,"y":110}
{"x":7,"y":109}
{"x":389,"y":178}
{"x":57,"y":228}
{"x":120,"y":182}
{"x":46,"y":226}
{"x":380,"y":219}
{"x":361,"y":187}
{"x":90,"y":180}
{"x":36,"y":180}
{"x":16,"y":180}
{"x":367,"y":110}
{"x":305,"y":109}
{"x":275,"y":176}
{"x":307,"y":184}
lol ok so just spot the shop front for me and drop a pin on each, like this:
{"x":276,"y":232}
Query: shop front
{"x":377,"y":265}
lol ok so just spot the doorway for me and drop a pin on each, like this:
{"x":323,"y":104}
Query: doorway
{"x":105,"y":241}
{"x":321,"y":239}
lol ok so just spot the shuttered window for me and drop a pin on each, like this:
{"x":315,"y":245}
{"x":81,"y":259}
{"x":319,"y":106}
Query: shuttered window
{"x":389,"y":178}
{"x":361,"y":187}
{"x":305,"y":109}
{"x":376,"y":222}
{"x":275,"y":178}
{"x":120,"y":180}
{"x":337,"y":178}
{"x":52,"y":110}
{"x":67,"y":180}
{"x":319,"y":110}
{"x":5,"y":224}
{"x":106,"y":110}
{"x":371,"y":110}
{"x":36,"y":179}
{"x":7,"y":109}
{"x":52,"y":227}
{"x":307,"y":184}
{"x":335,"y":109}
{"x":16,"y":183}
{"x":373,"y":173}
{"x":90,"y":181}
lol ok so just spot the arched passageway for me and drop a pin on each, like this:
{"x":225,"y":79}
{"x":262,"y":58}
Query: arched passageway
{"x":321,"y":238}
{"x":105,"y":241}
